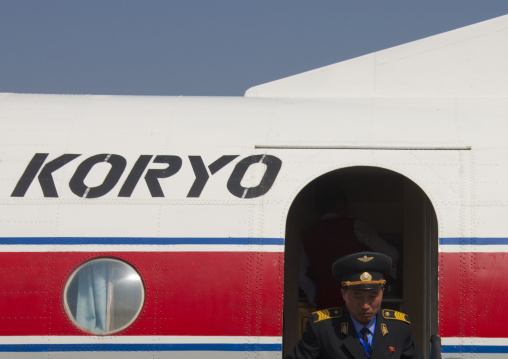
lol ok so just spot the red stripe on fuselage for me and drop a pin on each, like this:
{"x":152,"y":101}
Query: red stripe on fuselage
{"x":472,"y":290}
{"x":187,"y":293}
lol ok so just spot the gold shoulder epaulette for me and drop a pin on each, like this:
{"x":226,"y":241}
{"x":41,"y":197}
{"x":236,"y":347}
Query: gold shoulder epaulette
{"x":393,"y":314}
{"x":326,"y":314}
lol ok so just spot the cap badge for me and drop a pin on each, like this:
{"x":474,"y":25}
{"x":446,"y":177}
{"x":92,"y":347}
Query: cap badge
{"x":365,"y":259}
{"x":365,"y":277}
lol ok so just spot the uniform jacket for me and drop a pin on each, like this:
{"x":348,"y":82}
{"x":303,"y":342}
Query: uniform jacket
{"x":330,"y":333}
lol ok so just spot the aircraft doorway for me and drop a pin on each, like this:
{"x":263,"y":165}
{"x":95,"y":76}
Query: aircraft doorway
{"x":401,"y":213}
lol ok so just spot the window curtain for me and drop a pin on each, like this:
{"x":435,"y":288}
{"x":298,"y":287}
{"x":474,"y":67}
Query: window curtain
{"x":92,"y":300}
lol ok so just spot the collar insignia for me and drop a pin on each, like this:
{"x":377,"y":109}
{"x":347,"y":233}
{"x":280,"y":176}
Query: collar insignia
{"x":344,"y":328}
{"x":384,"y":329}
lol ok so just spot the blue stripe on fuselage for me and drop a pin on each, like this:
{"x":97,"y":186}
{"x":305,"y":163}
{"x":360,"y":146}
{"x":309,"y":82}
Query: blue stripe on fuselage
{"x":137,"y":241}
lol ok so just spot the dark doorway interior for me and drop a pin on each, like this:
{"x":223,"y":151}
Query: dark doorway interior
{"x":401,"y":213}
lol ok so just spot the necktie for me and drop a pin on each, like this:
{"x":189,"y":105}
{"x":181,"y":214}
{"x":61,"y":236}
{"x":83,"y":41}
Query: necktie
{"x":365,"y":337}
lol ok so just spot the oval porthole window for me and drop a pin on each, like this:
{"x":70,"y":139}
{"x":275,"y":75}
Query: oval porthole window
{"x":104,"y":296}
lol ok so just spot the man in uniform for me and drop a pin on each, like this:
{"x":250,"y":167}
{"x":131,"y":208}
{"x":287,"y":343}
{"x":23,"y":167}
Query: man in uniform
{"x":361,"y":329}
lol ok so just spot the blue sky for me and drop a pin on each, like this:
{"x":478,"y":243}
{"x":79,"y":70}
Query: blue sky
{"x":204,"y":47}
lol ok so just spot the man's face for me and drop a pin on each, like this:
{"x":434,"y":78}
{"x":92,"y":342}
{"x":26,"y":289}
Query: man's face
{"x":363,"y":304}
